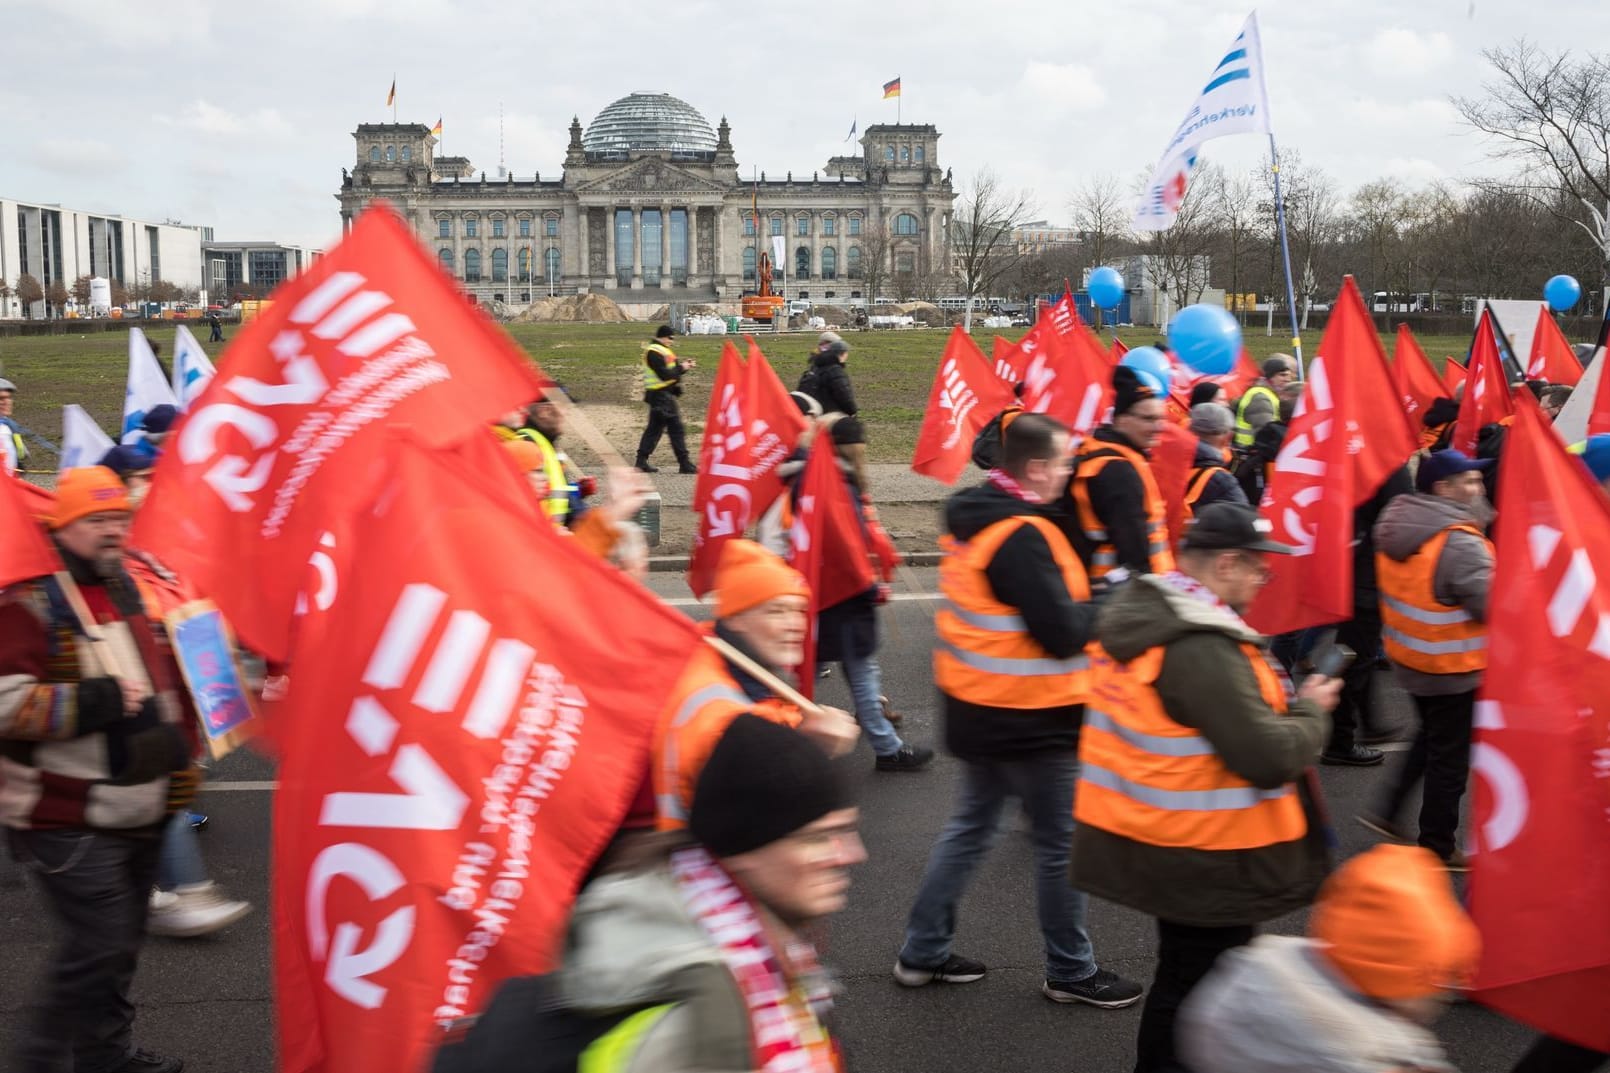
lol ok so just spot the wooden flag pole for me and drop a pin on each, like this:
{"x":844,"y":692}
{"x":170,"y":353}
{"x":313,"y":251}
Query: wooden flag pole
{"x":764,"y":676}
{"x":92,"y":629}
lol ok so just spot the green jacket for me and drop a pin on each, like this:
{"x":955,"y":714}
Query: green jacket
{"x":1206,"y":684}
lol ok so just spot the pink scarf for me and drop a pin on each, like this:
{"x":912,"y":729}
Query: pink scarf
{"x":1008,"y":484}
{"x":1189,"y":586}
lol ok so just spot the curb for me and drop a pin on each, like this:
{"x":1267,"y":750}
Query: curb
{"x":676,"y":564}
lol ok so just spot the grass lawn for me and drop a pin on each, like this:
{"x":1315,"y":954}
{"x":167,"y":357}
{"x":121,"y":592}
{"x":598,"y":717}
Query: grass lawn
{"x":892,"y":371}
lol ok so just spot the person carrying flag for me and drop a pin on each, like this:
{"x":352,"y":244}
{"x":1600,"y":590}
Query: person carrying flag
{"x":662,"y":386}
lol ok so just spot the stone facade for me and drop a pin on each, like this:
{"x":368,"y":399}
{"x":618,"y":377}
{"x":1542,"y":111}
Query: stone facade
{"x":663,"y":219}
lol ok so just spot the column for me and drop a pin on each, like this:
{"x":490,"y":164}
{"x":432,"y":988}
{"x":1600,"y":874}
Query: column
{"x":665,"y":245}
{"x":715,"y":248}
{"x":609,"y":246}
{"x":637,"y":247}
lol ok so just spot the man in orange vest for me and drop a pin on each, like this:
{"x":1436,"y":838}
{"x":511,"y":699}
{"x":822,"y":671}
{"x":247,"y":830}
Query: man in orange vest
{"x":1191,"y":805}
{"x":761,"y":610}
{"x":1434,"y":567}
{"x":1011,"y":672}
{"x":1114,"y":515}
{"x":1211,"y":480}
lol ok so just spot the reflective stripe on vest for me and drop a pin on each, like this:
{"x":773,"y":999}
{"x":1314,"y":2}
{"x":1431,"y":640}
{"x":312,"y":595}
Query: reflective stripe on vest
{"x":651,"y":379}
{"x":1150,"y":779}
{"x":984,"y":654}
{"x":1093,"y":456}
{"x":560,"y":489}
{"x":1244,"y":432}
{"x":1198,"y":483}
{"x":612,"y":1051}
{"x":1419,"y":631}
{"x":667,"y":796}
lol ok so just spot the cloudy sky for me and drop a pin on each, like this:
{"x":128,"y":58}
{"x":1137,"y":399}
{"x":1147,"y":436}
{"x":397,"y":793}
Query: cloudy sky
{"x":241,"y":116}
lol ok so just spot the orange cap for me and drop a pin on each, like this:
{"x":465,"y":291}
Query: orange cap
{"x":1392,"y":925}
{"x":527,"y":455}
{"x":87,"y":490}
{"x":748,"y":575}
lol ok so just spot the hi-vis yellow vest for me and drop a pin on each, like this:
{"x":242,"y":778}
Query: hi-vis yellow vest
{"x":1092,"y":457}
{"x":1418,"y":631}
{"x":560,"y":490}
{"x":1146,"y":778}
{"x":651,"y":379}
{"x":984,"y":654}
{"x":1244,"y":432}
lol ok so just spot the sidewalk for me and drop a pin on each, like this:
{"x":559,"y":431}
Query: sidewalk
{"x":891,"y":483}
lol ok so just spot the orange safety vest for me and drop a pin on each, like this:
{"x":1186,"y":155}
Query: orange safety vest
{"x":704,"y":702}
{"x":1092,"y":457}
{"x":1198,"y":482}
{"x":1419,"y":631}
{"x":985,"y":654}
{"x":1149,"y":779}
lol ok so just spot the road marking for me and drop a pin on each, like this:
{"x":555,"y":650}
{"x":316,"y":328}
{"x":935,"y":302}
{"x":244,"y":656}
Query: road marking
{"x":238,"y":787}
{"x":899,"y":597}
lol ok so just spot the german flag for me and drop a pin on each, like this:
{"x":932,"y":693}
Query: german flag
{"x":437,"y":129}
{"x":391,"y":96}
{"x":891,"y":89}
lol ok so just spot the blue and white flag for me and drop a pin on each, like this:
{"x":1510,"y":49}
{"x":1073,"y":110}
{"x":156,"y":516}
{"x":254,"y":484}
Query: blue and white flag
{"x":851,"y":136}
{"x":82,"y":441}
{"x":192,"y":369}
{"x":147,"y":389}
{"x":1234,"y":101}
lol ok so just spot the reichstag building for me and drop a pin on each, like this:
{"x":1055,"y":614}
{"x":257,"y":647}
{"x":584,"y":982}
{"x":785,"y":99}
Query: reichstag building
{"x":652,"y":206}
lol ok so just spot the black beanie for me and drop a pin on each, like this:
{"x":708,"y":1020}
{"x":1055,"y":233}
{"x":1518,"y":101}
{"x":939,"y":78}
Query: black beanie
{"x":1128,"y":390}
{"x":763,"y":781}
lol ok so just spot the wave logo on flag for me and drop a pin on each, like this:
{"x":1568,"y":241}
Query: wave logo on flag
{"x":147,"y":388}
{"x":192,"y":369}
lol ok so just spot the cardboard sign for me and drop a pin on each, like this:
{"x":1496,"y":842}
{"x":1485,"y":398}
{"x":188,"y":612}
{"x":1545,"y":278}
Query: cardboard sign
{"x":205,"y":649}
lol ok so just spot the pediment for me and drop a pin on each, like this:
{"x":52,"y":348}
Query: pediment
{"x":650,"y":176}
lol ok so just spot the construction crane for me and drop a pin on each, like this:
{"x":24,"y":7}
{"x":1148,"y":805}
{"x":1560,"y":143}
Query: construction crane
{"x":763,"y":304}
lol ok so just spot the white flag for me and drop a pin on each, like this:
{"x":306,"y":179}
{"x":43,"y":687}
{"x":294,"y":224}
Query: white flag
{"x":779,"y":251}
{"x":192,"y":369}
{"x":82,"y":441}
{"x":1234,"y":101}
{"x":147,"y":389}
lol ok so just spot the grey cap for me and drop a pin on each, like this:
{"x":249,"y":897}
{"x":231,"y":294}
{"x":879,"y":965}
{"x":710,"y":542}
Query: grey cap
{"x":1211,"y":419}
{"x":827,"y":338}
{"x":7,"y":385}
{"x":1275,"y":364}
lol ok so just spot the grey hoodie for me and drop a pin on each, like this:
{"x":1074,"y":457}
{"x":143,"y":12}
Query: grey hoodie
{"x":1463,"y":576}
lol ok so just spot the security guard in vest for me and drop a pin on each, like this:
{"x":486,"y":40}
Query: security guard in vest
{"x":1210,"y":480}
{"x":568,"y":489}
{"x":1261,"y":403}
{"x":1434,"y":567}
{"x":1192,"y":806}
{"x":1013,"y":678}
{"x":1113,"y":514}
{"x":662,"y":386}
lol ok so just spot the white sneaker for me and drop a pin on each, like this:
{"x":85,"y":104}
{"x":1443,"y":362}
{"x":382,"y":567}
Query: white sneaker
{"x":197,"y":909}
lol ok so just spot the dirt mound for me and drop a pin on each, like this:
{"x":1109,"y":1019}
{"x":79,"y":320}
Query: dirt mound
{"x":573,"y":309}
{"x":833,"y":314}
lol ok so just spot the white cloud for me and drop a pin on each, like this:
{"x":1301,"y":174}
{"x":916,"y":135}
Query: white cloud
{"x":1415,"y":171}
{"x":1062,"y":87}
{"x":78,"y":156}
{"x":1399,"y":52}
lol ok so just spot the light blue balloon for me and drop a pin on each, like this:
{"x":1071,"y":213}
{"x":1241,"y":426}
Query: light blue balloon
{"x":1106,"y":287}
{"x":1562,"y":292}
{"x":1207,"y":338}
{"x":1152,"y":366}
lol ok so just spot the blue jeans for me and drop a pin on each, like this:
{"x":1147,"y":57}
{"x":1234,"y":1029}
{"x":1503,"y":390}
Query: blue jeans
{"x":1044,"y":784}
{"x":866,"y":686}
{"x":180,"y":864}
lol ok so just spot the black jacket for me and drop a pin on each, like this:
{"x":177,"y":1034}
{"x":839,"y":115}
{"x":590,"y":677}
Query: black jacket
{"x":1366,"y":593}
{"x":1023,"y":575}
{"x":1118,"y":497}
{"x":665,"y":370}
{"x":1222,"y":487}
{"x":828,"y":383}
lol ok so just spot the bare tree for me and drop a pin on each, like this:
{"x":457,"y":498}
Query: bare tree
{"x":1239,"y":226}
{"x":874,"y":258}
{"x":982,"y":244}
{"x":1101,"y":213}
{"x":1551,"y":112}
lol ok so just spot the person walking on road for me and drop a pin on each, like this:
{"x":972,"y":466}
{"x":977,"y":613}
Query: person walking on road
{"x":662,"y":386}
{"x":1260,"y":403}
{"x":1211,"y":480}
{"x":1192,"y":804}
{"x":1013,"y":680}
{"x":1435,"y":567}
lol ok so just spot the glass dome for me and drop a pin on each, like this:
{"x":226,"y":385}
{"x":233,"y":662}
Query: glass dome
{"x":649,"y":121}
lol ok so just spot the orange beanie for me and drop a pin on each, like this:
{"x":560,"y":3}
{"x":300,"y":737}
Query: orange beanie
{"x":1392,"y":925}
{"x":748,"y":575}
{"x":527,"y":455}
{"x":87,"y":490}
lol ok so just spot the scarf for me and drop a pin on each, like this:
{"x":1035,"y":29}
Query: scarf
{"x":1008,"y":484}
{"x":1186,"y":585}
{"x":785,"y":1014}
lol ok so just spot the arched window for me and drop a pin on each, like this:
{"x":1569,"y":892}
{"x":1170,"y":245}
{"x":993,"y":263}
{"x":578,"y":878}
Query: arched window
{"x":888,"y":152}
{"x":749,"y":263}
{"x":802,"y":263}
{"x":905,"y":224}
{"x":830,"y":263}
{"x":852,"y":262}
{"x":374,"y":154}
{"x":472,"y":266}
{"x":500,"y":265}
{"x":524,"y":262}
{"x":391,"y":153}
{"x":917,"y":154}
{"x":445,"y":256}
{"x":905,"y":154}
{"x":551,"y":257}
{"x":407,"y":154}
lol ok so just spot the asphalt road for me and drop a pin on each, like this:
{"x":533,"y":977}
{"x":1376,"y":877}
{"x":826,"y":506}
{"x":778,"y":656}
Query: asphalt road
{"x":210,"y":1000}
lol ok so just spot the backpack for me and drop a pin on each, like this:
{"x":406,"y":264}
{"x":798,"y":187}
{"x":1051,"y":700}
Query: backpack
{"x":528,"y":1028}
{"x":810,"y":383}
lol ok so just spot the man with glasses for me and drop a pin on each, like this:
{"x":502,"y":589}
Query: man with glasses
{"x":1193,"y":803}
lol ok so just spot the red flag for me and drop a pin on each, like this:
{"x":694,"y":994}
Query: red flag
{"x":1487,"y":399}
{"x":1068,"y":377}
{"x":1453,"y":374}
{"x":1172,"y":460}
{"x":1235,"y":382}
{"x":1417,"y":381}
{"x":775,"y":426}
{"x":1542,"y":810}
{"x":24,"y":551}
{"x":1007,"y":360}
{"x":467,"y":736}
{"x":963,"y":400}
{"x":1553,"y":359}
{"x":1342,"y":443}
{"x":373,"y":336}
{"x":829,"y":547}
{"x":1117,"y":350}
{"x":721,"y":493}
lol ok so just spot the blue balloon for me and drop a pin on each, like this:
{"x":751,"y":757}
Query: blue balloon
{"x":1152,"y":366}
{"x":1207,"y":338}
{"x":1106,"y":287}
{"x":1561,"y":293}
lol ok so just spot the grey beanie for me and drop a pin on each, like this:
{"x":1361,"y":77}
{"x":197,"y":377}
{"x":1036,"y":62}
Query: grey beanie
{"x":1211,"y":419}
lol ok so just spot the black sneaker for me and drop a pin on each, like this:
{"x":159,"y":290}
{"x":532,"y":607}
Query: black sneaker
{"x":687,"y":467}
{"x":906,"y":758}
{"x":146,"y":1062}
{"x":644,"y":467}
{"x":1105,"y":989}
{"x":1357,"y":756}
{"x":955,"y":970}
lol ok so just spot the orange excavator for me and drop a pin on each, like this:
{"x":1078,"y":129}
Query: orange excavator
{"x":763,"y":304}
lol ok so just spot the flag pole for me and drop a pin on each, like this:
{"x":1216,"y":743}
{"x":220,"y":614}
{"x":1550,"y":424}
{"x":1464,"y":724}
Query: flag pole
{"x":1285,"y":257}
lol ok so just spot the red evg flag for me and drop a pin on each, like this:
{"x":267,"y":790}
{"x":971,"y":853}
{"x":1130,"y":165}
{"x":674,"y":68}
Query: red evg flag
{"x":1553,"y":359}
{"x":829,"y":545}
{"x":1542,"y":805}
{"x":24,"y":551}
{"x":965,"y":397}
{"x":1418,"y":385}
{"x":1487,"y":399}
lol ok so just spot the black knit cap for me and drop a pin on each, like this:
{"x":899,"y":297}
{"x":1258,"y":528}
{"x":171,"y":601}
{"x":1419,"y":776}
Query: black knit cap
{"x":1128,"y":389}
{"x":763,"y":781}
